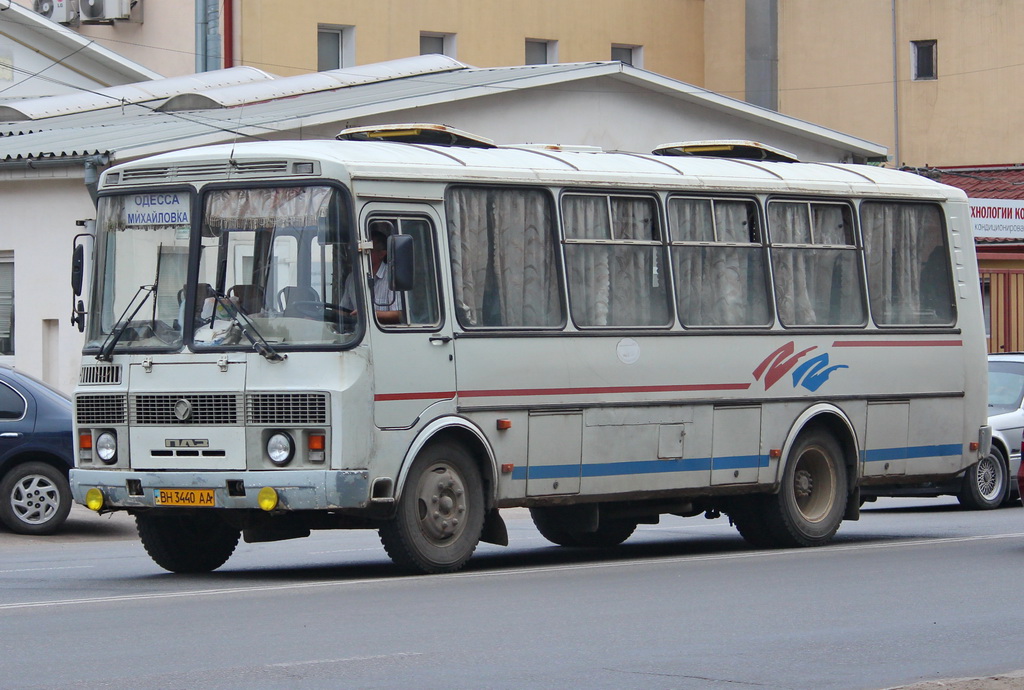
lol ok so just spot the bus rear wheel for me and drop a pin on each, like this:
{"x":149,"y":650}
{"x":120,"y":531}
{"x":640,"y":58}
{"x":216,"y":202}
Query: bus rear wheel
{"x":551,"y":525}
{"x":440,"y":515}
{"x":195,"y":543}
{"x":811,"y":502}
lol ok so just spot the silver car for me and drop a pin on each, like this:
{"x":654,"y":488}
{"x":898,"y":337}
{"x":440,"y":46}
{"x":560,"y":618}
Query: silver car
{"x":990,"y":482}
{"x":1006,"y":416}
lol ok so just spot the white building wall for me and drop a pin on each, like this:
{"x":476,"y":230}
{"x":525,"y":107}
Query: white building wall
{"x":38,"y":225}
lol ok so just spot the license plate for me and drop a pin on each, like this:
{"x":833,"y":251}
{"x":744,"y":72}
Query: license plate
{"x":192,"y":498}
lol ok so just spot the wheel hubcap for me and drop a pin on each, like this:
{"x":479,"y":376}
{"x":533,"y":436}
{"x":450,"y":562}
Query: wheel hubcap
{"x":814,"y":482}
{"x":988,"y":478}
{"x":441,"y":500}
{"x":35,"y":499}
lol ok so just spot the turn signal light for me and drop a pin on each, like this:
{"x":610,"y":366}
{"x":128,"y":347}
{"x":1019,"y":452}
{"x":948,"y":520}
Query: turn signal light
{"x":85,"y":440}
{"x":317,"y":441}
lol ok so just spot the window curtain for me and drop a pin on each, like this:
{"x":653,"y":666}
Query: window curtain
{"x":720,"y":284}
{"x":815,"y":285}
{"x":265,"y":208}
{"x":504,"y":264}
{"x":909,"y":277}
{"x":613,"y":284}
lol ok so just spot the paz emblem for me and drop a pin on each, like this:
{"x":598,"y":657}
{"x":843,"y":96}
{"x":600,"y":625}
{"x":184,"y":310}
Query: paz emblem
{"x":183,"y":410}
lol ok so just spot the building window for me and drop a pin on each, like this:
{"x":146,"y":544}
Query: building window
{"x":6,"y":303}
{"x":437,"y":43}
{"x":628,"y":55}
{"x":336,"y":47}
{"x":540,"y":52}
{"x":924,"y":58}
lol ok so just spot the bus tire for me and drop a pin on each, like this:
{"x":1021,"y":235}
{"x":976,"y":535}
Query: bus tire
{"x":440,"y":515}
{"x":195,"y":543}
{"x":747,"y":514}
{"x":811,"y":502}
{"x":986,"y":483}
{"x":550,"y":524}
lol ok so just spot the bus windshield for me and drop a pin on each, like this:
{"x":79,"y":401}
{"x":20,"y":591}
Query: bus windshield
{"x":274,"y":266}
{"x":141,"y":267}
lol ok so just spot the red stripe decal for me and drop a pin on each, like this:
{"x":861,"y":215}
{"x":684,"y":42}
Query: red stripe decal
{"x":898,"y":343}
{"x":513,"y":393}
{"x":600,"y":391}
{"x":390,"y":397}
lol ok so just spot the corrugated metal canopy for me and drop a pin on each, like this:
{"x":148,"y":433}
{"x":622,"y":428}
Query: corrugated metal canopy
{"x":137,"y":130}
{"x":288,"y":87}
{"x":114,"y":96}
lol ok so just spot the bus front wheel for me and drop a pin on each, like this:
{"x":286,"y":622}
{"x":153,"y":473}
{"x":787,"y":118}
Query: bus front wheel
{"x":810,"y":504}
{"x":195,"y":543}
{"x":440,"y":514}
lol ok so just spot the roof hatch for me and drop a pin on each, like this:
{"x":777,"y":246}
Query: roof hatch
{"x":730,"y":148}
{"x":418,"y":133}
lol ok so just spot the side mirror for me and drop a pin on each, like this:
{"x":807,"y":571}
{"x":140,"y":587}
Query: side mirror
{"x":78,"y":316}
{"x":77,"y":269}
{"x":400,"y":259}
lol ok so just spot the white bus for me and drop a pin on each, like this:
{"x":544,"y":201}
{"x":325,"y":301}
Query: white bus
{"x":603,"y":338}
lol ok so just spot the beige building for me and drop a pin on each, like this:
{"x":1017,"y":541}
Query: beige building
{"x":933,"y":80}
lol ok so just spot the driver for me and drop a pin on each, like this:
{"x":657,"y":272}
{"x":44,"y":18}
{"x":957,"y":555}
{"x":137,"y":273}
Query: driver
{"x":387,"y":304}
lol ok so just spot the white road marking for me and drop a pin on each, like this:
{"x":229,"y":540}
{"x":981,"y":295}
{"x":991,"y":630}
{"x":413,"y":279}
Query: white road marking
{"x":36,"y":570}
{"x":317,"y":662}
{"x":512,"y":571}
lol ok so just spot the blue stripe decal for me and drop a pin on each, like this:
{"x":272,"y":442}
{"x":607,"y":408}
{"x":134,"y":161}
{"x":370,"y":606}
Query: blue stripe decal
{"x":628,"y":467}
{"x":882,"y":454}
{"x":736,"y":462}
{"x":614,"y":469}
{"x":555,"y":471}
{"x":740,"y":462}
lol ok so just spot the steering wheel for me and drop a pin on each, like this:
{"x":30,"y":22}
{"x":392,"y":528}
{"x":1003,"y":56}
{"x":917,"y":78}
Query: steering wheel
{"x":323,"y":311}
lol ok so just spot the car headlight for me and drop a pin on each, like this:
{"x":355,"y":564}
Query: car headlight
{"x":106,"y":447}
{"x":280,"y":449}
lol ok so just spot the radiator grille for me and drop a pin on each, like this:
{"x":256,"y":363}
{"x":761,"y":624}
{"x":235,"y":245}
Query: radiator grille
{"x":92,"y":375}
{"x":280,"y":409}
{"x":101,"y":409}
{"x":202,"y":409}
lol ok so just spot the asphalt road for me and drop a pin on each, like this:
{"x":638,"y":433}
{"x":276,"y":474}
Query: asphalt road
{"x":917,"y":590}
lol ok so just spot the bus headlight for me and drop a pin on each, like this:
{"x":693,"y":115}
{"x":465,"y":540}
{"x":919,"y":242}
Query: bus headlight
{"x":106,"y":447}
{"x":280,"y":449}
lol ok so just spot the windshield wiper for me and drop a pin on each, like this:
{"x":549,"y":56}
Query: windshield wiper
{"x":122,"y":323}
{"x":249,"y":330}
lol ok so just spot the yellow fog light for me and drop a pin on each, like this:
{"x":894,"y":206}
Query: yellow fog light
{"x":267,"y":498}
{"x":94,"y":499}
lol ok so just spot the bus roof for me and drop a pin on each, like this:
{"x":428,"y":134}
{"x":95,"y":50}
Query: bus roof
{"x":526,"y":164}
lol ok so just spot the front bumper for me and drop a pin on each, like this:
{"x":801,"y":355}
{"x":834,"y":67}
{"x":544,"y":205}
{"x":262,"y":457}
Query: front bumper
{"x":296,"y":489}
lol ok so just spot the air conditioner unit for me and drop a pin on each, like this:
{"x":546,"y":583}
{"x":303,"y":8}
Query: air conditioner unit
{"x":61,"y":11}
{"x":105,"y":10}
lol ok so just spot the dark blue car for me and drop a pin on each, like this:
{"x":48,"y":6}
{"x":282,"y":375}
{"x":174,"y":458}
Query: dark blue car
{"x":36,"y":452}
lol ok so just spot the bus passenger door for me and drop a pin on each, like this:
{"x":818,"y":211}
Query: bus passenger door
{"x":413,"y":357}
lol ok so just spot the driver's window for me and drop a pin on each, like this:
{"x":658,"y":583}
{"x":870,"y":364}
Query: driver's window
{"x":418,"y":307}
